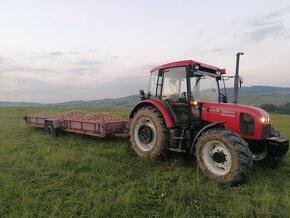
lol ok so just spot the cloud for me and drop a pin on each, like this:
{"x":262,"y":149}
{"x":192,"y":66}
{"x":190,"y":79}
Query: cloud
{"x":218,"y":49}
{"x":265,"y":32}
{"x":271,"y":19}
{"x":94,"y":50}
{"x":114,"y":57}
{"x":273,"y":24}
{"x":264,"y":22}
{"x":89,"y":62}
{"x":56,"y":53}
{"x":25,"y":69}
{"x":2,"y":60}
{"x":73,"y":52}
{"x":278,"y":13}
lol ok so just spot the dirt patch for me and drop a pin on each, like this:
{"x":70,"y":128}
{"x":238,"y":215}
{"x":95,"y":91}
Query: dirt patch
{"x":79,"y":116}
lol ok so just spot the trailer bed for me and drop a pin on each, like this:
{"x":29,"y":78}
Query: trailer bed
{"x":99,"y":129}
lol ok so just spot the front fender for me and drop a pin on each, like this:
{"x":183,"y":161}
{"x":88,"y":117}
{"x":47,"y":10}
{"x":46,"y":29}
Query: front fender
{"x":164,"y":111}
{"x":206,"y":127}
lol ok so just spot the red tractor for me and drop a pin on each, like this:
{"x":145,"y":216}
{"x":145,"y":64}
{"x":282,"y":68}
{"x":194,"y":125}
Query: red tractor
{"x":186,"y":110}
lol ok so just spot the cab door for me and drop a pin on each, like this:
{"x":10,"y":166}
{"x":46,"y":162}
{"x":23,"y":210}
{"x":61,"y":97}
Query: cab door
{"x":174,"y":93}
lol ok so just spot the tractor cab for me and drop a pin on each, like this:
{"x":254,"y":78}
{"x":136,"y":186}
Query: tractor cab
{"x":183,"y":86}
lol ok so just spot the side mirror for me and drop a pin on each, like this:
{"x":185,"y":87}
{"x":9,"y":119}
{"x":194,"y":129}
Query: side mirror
{"x":225,"y":99}
{"x":142,"y":95}
{"x":241,"y":81}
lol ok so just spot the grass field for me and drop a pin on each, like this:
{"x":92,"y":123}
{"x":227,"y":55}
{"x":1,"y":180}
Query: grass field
{"x":74,"y":175}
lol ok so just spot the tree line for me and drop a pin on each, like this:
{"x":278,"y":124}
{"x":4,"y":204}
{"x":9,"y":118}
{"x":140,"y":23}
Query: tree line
{"x":274,"y":109}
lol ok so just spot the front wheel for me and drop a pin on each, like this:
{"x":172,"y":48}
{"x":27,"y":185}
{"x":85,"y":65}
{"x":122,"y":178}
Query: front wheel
{"x":223,"y":156}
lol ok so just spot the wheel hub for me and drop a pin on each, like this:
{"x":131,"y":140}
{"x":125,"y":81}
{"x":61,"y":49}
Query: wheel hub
{"x":219,"y":157}
{"x":145,"y":134}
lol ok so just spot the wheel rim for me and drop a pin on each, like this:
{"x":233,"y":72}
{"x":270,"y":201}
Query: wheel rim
{"x":217,"y":158}
{"x":145,"y":134}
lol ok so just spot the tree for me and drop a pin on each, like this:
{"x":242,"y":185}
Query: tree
{"x":286,"y":108}
{"x":270,"y":108}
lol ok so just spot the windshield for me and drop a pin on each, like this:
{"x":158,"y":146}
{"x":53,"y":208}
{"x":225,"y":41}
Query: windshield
{"x":204,"y":88}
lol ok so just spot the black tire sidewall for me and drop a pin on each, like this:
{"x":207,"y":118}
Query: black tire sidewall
{"x":241,"y":161}
{"x":199,"y":155}
{"x":47,"y":126}
{"x":159,"y":147}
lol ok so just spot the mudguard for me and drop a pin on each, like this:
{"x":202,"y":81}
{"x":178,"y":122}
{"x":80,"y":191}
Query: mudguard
{"x":166,"y":115}
{"x":206,"y":127}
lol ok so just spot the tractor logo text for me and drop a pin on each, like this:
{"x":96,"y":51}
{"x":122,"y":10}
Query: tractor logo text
{"x":221,"y":111}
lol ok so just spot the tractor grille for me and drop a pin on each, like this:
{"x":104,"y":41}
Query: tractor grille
{"x":266,"y":130}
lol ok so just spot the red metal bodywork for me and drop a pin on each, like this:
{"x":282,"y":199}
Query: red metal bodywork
{"x":230,"y":113}
{"x":184,"y":63}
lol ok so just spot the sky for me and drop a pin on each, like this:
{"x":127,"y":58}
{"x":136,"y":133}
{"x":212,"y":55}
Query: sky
{"x":64,"y":50}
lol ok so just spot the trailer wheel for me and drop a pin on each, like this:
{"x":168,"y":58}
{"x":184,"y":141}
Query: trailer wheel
{"x":224,"y":156}
{"x":148,"y":134}
{"x":265,"y":159}
{"x":50,"y":130}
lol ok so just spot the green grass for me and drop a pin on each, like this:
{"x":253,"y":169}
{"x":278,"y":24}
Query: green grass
{"x":74,"y":175}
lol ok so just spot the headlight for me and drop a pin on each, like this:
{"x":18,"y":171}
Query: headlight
{"x":265,"y":120}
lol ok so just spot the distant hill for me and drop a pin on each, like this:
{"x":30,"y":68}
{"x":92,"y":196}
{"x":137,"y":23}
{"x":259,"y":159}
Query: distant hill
{"x":20,"y":104}
{"x":128,"y":101}
{"x":261,"y":90}
{"x":257,"y":95}
{"x":254,"y":95}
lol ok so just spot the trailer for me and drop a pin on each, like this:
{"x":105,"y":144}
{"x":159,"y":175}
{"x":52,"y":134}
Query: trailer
{"x":101,"y":129}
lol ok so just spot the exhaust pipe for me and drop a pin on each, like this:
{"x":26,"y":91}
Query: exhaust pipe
{"x":236,"y":84}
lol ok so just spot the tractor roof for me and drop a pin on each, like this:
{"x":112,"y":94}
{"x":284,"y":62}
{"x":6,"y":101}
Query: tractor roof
{"x":183,"y":63}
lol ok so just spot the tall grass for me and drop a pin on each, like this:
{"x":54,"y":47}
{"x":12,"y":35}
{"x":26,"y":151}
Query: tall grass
{"x":74,"y":175}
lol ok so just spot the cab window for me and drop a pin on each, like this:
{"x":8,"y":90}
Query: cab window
{"x":174,"y":83}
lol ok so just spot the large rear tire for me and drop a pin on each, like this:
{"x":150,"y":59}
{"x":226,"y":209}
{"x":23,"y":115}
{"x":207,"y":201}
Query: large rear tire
{"x":224,"y":156}
{"x":148,"y":134}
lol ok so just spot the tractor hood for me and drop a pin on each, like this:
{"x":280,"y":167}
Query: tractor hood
{"x":251,"y":122}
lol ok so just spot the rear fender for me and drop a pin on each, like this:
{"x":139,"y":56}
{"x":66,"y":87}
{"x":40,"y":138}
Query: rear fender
{"x":205,"y":128}
{"x":166,"y":115}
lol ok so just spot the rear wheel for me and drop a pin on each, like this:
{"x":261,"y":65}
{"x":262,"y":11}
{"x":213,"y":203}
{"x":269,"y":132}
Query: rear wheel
{"x":223,"y":156}
{"x":50,"y":130}
{"x":148,"y":134}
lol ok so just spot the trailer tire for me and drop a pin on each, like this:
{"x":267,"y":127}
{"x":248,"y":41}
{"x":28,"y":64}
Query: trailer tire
{"x":50,"y":130}
{"x":148,"y":134}
{"x":224,"y":156}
